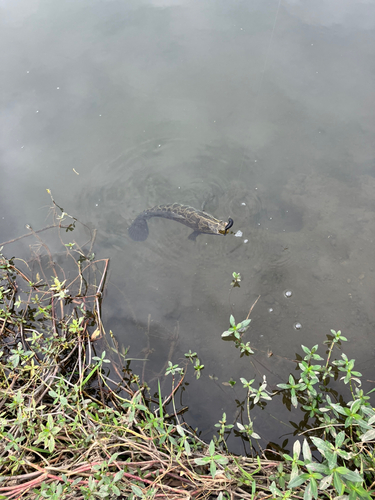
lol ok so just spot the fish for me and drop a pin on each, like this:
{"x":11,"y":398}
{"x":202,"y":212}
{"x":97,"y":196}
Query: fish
{"x":200,"y":222}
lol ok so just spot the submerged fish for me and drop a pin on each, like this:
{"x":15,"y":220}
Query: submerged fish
{"x":199,"y":221}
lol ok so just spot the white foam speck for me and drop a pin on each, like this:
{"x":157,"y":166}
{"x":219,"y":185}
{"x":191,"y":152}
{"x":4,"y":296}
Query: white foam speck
{"x":238,"y":234}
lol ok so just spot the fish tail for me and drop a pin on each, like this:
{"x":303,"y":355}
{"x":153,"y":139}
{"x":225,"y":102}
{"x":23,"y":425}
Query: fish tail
{"x":138,"y":231}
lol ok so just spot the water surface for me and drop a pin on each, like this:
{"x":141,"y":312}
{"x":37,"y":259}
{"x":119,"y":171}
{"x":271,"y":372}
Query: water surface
{"x":261,"y":111}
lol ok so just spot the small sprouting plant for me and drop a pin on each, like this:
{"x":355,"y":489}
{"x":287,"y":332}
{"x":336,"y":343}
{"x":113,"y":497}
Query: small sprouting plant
{"x":192,"y":356}
{"x":59,"y":288}
{"x":236,"y":329}
{"x":224,"y":428}
{"x":236,"y":280}
{"x":198,"y":367}
{"x":76,"y":325}
{"x":173,"y":369}
{"x":48,"y":433}
{"x":293,"y":387}
{"x":212,"y":460}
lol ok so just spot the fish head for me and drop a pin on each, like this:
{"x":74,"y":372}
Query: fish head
{"x":225,"y":226}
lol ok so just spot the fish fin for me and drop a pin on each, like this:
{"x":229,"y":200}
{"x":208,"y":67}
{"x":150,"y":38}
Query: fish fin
{"x":138,"y":231}
{"x":176,"y":216}
{"x":193,"y":236}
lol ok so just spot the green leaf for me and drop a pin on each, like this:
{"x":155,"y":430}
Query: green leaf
{"x":212,"y":468}
{"x":314,"y":488}
{"x":187,"y":448}
{"x":226,"y":334}
{"x":368,"y":436}
{"x":211,"y":448}
{"x":297,"y":481}
{"x":202,"y":461}
{"x":137,"y":491}
{"x":245,"y":323}
{"x":314,"y":466}
{"x":352,"y":476}
{"x":296,"y":449}
{"x":325,"y":482}
{"x":283,"y":386}
{"x":323,"y":446}
{"x":118,"y":476}
{"x":294,"y":398}
{"x":338,"y":484}
{"x":232,"y":321}
{"x":356,"y":405}
{"x":340,"y":438}
{"x":306,"y":451}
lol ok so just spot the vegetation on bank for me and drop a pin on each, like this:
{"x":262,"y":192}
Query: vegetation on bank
{"x":75,"y":422}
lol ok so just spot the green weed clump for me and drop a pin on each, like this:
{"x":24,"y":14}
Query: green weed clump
{"x":75,"y":423}
{"x":338,"y":457}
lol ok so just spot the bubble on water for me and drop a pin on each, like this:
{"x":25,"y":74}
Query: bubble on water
{"x":243,"y":204}
{"x":288,"y":293}
{"x":245,"y":241}
{"x":270,"y":309}
{"x":297,"y":325}
{"x":238,"y":234}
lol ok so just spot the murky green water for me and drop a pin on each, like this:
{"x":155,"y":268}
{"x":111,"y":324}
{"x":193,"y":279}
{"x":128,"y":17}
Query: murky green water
{"x":259,"y":111}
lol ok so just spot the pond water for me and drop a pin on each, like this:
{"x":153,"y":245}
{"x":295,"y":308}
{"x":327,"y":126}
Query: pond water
{"x":259,"y":111}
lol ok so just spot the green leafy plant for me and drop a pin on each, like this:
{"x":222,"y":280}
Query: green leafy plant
{"x":213,"y":459}
{"x":236,"y":280}
{"x":236,"y":330}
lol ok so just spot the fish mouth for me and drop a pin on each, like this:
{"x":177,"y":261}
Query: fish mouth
{"x":228,"y":225}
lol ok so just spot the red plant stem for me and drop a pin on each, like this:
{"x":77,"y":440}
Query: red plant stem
{"x":174,"y":390}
